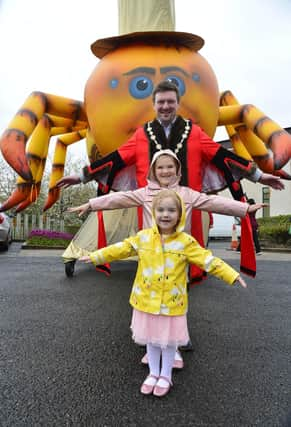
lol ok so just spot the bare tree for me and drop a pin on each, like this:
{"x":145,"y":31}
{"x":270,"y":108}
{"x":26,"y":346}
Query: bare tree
{"x":7,"y":181}
{"x":71,"y":196}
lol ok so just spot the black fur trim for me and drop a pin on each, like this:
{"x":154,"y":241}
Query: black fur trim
{"x":105,"y":169}
{"x":247,"y":271}
{"x":104,"y":269}
{"x":222,"y":161}
{"x":170,"y":143}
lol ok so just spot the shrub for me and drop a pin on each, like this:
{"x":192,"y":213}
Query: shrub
{"x":72,"y":229}
{"x":275,"y":229}
{"x":49,"y":234}
{"x":45,"y":242}
{"x":48,"y":238}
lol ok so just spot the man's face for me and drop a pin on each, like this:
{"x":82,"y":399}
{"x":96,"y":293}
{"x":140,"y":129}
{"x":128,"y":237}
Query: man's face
{"x":166,"y":106}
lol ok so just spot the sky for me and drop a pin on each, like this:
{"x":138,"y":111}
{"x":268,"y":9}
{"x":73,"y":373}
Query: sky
{"x":45,"y":46}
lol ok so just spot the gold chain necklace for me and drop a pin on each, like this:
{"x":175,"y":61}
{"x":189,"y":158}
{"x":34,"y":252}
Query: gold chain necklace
{"x":185,"y":135}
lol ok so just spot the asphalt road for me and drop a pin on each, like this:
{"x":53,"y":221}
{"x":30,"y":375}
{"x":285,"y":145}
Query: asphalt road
{"x":67,"y":358}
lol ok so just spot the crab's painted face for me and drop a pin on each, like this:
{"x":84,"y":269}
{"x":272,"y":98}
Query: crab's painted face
{"x":118,"y":94}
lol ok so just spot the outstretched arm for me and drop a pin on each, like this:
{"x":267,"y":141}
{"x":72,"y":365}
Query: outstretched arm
{"x":256,"y":175}
{"x":102,"y":170}
{"x":120,"y":250}
{"x":111,"y":201}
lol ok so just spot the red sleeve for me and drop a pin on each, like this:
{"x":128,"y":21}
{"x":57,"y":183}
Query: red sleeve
{"x":209,"y":147}
{"x":200,"y":151}
{"x":128,"y":150}
{"x":106,"y":168}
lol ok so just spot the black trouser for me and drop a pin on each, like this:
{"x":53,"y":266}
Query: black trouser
{"x":256,"y":242}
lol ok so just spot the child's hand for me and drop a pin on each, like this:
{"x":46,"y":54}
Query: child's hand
{"x":85,"y":259}
{"x":241,"y":282}
{"x":80,"y":209}
{"x":256,"y":207}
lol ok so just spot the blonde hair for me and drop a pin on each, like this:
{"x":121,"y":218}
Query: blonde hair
{"x":163,"y":194}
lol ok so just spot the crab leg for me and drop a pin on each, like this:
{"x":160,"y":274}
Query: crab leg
{"x":267,"y":143}
{"x":58,"y":164}
{"x":37,"y":149}
{"x":14,"y":139}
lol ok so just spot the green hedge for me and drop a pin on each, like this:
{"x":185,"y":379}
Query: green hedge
{"x":73,"y":229}
{"x":275,"y":229}
{"x":41,"y":241}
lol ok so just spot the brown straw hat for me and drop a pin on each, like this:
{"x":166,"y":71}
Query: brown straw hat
{"x":102,"y":47}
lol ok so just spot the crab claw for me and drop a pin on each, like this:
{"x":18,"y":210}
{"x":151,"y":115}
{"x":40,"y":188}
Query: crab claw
{"x":266,"y":164}
{"x":53,"y":196}
{"x":282,"y":174}
{"x":21,"y":193}
{"x":16,"y":158}
{"x":32,"y":196}
{"x":280,"y":144}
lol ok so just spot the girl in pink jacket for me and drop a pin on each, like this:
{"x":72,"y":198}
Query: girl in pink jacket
{"x":165,"y":172}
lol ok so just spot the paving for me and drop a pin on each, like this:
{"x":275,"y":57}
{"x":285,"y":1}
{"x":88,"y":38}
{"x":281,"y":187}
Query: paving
{"x":67,"y":358}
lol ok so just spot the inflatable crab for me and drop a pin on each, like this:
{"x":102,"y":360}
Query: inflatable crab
{"x":118,"y":99}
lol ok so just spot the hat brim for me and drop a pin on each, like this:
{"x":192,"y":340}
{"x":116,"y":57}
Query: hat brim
{"x":102,"y":47}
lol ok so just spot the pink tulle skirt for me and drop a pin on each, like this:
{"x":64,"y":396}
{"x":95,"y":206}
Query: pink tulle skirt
{"x":158,"y":329}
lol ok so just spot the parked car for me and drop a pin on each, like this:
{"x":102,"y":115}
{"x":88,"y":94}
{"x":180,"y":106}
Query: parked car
{"x":223,"y":225}
{"x":5,"y":231}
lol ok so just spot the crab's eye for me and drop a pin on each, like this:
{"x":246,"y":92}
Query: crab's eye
{"x":113,"y":83}
{"x":196,"y":77}
{"x":141,"y":87}
{"x":178,"y":82}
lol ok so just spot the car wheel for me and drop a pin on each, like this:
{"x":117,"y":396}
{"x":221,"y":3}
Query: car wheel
{"x":70,"y":268}
{"x":5,"y":245}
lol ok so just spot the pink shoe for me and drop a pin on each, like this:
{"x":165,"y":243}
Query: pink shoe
{"x":178,"y":362}
{"x":148,"y":388}
{"x":162,"y":391}
{"x":144,"y":360}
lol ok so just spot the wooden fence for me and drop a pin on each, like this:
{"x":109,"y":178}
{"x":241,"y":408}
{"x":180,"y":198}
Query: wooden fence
{"x":22,"y":224}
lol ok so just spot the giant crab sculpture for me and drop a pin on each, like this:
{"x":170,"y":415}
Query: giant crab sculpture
{"x":118,"y":98}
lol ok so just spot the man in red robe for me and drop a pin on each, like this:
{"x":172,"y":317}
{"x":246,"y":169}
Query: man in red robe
{"x":196,"y":152}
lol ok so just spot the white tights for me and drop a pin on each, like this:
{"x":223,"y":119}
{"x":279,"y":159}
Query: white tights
{"x":155,"y":354}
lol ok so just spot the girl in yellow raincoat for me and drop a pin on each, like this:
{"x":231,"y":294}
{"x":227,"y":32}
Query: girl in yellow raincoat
{"x":159,"y":293}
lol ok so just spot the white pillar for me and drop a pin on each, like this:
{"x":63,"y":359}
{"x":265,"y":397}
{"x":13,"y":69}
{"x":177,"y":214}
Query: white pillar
{"x":25,"y":226}
{"x":33,"y":221}
{"x":40,"y":222}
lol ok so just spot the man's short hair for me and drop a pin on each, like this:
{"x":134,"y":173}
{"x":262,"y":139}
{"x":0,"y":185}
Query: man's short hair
{"x":165,"y":86}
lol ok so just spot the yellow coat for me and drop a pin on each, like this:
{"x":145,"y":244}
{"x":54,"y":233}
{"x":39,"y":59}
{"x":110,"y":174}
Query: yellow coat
{"x":160,"y":285}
